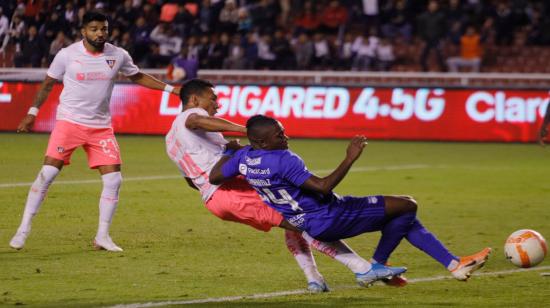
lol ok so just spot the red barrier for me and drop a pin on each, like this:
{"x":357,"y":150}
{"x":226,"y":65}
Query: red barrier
{"x":335,"y":112}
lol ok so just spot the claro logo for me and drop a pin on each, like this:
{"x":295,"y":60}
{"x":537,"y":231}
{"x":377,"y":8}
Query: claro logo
{"x":484,"y":107}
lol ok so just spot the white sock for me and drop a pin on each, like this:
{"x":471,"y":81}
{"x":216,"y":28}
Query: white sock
{"x":108,"y":202}
{"x":452,"y":265}
{"x":36,"y":195}
{"x":302,"y":253}
{"x":341,"y":252}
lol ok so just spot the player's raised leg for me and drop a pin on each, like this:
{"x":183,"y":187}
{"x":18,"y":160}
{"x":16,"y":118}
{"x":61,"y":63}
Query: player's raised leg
{"x":35,"y":197}
{"x":403,"y":223}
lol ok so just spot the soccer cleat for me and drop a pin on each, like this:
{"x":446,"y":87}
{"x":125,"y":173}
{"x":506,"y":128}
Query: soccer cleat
{"x":395,"y":281}
{"x":377,"y":272}
{"x":18,"y":240}
{"x":106,"y":243}
{"x":317,"y":287}
{"x":467,"y":265}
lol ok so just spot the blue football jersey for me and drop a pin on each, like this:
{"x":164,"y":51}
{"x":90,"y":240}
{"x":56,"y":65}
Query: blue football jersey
{"x":277,"y":176}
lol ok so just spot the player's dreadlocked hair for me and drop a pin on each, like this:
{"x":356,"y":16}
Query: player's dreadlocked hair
{"x":256,"y":122}
{"x":193,"y":87}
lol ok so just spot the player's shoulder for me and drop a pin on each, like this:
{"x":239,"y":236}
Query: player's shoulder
{"x":112,"y":49}
{"x":72,"y":49}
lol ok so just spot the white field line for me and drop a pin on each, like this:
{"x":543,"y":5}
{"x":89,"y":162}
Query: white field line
{"x":166,"y":177}
{"x":297,"y":292}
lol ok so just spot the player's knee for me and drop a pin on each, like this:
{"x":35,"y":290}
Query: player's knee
{"x":112,"y":180}
{"x":412,"y":206}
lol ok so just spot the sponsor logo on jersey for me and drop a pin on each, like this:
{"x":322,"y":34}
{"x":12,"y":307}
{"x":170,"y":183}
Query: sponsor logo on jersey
{"x":110,"y":62}
{"x":297,"y":221}
{"x":242,"y":169}
{"x":253,"y":161}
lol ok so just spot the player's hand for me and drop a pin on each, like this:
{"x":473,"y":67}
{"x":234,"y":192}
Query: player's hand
{"x":234,"y":144}
{"x":355,"y":147}
{"x":26,"y":124}
{"x":542,"y":136}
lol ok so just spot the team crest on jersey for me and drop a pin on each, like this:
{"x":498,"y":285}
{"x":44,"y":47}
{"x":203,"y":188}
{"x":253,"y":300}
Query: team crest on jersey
{"x":60,"y":149}
{"x":111,"y":63}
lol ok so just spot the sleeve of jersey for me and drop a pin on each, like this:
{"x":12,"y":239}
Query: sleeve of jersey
{"x":57,"y":68}
{"x":294,"y":169}
{"x":231,"y":167}
{"x":128,"y":68}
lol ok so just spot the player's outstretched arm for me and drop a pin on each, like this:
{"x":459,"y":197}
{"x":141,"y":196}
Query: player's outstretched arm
{"x":543,"y":133}
{"x":151,"y":82}
{"x":327,"y":184}
{"x":216,"y":176}
{"x":28,"y":121}
{"x":212,"y":124}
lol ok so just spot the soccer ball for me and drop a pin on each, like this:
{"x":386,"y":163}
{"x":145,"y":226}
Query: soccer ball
{"x":178,"y":74}
{"x":525,"y":248}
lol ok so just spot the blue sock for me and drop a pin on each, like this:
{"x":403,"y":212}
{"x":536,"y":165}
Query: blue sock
{"x":392,"y":234}
{"x":422,"y":239}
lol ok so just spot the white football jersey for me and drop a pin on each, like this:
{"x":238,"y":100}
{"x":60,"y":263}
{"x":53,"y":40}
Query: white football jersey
{"x":195,"y":152}
{"x":88,"y":81}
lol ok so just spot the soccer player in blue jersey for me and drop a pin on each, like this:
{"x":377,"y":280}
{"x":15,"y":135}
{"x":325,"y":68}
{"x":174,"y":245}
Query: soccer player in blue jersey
{"x":308,"y":202}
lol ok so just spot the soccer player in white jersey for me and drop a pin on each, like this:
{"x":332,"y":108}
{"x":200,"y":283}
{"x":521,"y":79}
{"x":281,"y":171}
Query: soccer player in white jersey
{"x":195,"y":144}
{"x":88,"y":69}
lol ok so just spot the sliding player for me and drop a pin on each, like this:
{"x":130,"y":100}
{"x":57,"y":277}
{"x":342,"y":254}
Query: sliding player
{"x":195,"y":144}
{"x":285,"y":184}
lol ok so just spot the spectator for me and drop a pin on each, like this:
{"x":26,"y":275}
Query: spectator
{"x":183,"y":21}
{"x":235,"y":60}
{"x":503,"y":24}
{"x":218,"y":51}
{"x":141,"y":40}
{"x":398,"y":24}
{"x":384,"y":55}
{"x":283,"y":51}
{"x":52,"y":26}
{"x":365,"y":52}
{"x":432,"y":28}
{"x":303,"y":49}
{"x":308,"y":20}
{"x":16,"y":31}
{"x":193,"y":48}
{"x":321,"y":52}
{"x":264,"y":16}
{"x":169,"y":43}
{"x":251,"y":50}
{"x":344,"y":52}
{"x":470,"y":52}
{"x":126,"y":15}
{"x":32,"y":49}
{"x":115,"y":36}
{"x":229,"y":17}
{"x":334,"y":17}
{"x":60,"y":41}
{"x":126,"y":43}
{"x":203,"y":49}
{"x":206,"y":17}
{"x":245,"y":22}
{"x":266,"y":56}
{"x":70,"y":15}
{"x":4,"y":30}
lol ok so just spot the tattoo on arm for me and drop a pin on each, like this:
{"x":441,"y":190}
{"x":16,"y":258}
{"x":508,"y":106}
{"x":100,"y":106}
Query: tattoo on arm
{"x":44,"y":91}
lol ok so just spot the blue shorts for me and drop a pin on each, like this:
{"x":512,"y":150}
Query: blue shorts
{"x":348,"y":217}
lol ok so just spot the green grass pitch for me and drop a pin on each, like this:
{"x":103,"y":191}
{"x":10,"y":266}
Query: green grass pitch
{"x":471,"y":195}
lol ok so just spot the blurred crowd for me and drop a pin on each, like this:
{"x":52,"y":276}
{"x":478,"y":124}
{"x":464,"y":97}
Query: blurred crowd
{"x":357,"y":35}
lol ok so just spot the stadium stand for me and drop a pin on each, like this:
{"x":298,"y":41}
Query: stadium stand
{"x":367,"y":35}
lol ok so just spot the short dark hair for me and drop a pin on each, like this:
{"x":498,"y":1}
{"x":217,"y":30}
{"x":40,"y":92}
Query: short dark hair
{"x":193,"y":87}
{"x":92,"y":16}
{"x":257,"y":122}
